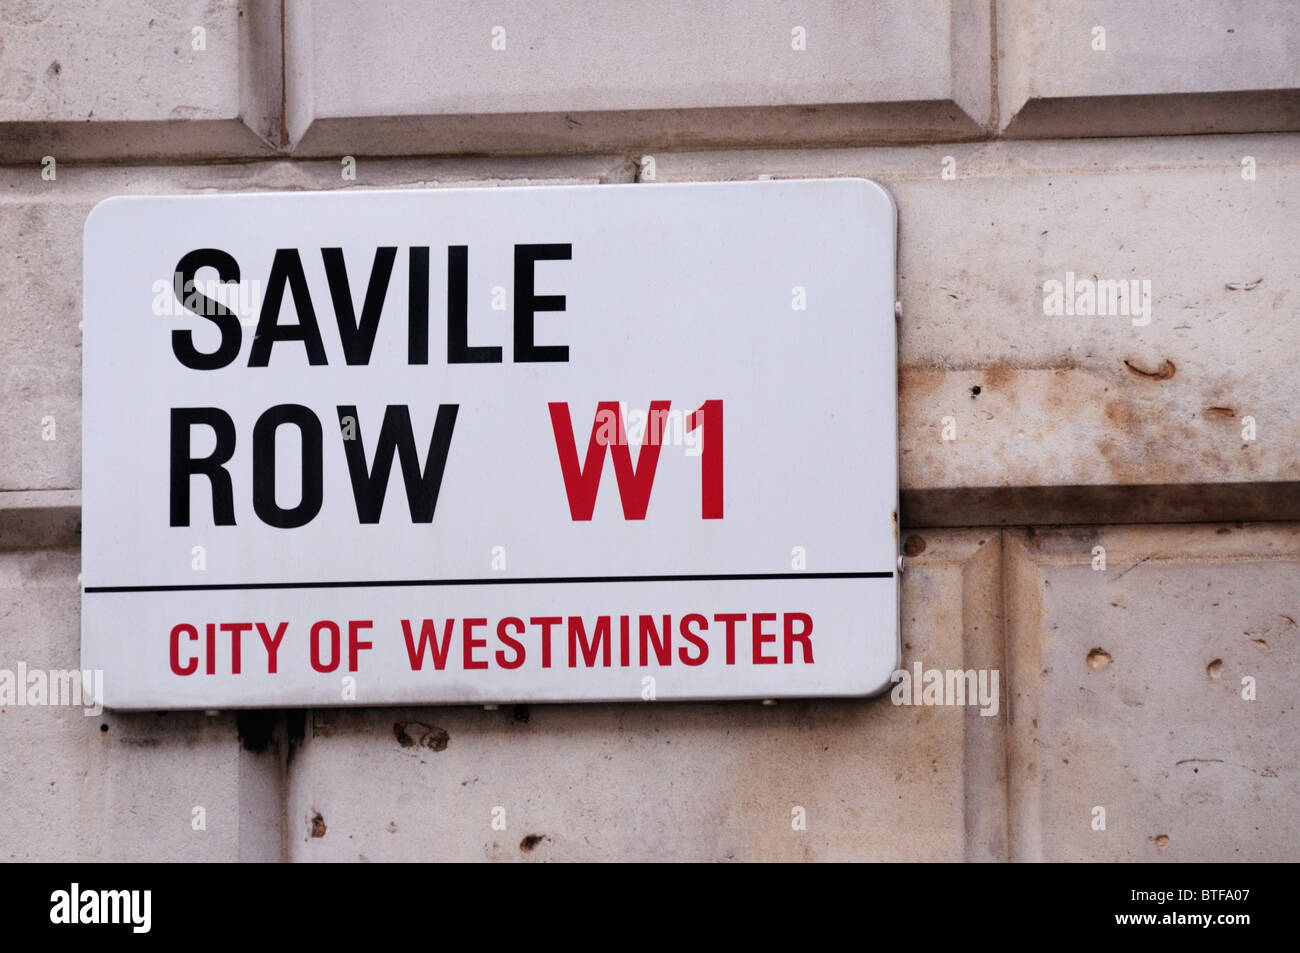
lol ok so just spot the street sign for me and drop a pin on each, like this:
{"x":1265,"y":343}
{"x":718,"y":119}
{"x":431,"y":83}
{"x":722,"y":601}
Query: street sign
{"x":624,"y":442}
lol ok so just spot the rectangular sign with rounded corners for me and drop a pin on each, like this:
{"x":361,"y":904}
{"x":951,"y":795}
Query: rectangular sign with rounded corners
{"x":627,"y":442}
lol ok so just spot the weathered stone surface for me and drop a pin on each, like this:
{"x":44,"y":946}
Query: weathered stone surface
{"x":566,"y":77}
{"x":1126,"y":692}
{"x":1108,"y":68}
{"x":1120,"y":688}
{"x":40,"y":519}
{"x":1087,"y":401}
{"x":654,"y":781}
{"x":78,"y":787}
{"x":40,"y":378}
{"x":82,"y":81}
{"x":1041,"y":400}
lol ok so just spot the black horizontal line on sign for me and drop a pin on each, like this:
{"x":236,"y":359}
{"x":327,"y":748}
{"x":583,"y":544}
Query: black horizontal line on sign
{"x":528,"y":581}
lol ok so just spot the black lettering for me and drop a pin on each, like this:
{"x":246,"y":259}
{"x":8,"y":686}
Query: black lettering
{"x":313,"y":486}
{"x":213,"y":466}
{"x":527,"y":304}
{"x":458,"y":349}
{"x":227,"y":323}
{"x":417,"y":328}
{"x":286,"y":267}
{"x":396,"y":435}
{"x":358,"y":338}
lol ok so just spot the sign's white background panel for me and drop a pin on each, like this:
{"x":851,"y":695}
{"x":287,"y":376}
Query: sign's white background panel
{"x":679,"y":293}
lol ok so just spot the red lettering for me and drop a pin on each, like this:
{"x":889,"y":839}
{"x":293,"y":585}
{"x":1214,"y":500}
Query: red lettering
{"x":693,"y":637}
{"x":709,"y":419}
{"x":518,"y":625}
{"x":730,"y":618}
{"x":272,"y":645}
{"x":211,"y":632}
{"x":663,"y":650}
{"x":193,"y":635}
{"x":236,"y":630}
{"x":471,"y":643}
{"x":354,"y":644}
{"x":316,"y":661}
{"x":428,"y":637}
{"x":546,"y":622}
{"x":803,"y":637}
{"x":599,"y":640}
{"x":581,"y":482}
{"x":761,"y":638}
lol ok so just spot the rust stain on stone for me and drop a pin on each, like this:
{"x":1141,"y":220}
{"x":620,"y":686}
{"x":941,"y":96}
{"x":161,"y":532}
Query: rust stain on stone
{"x":919,"y":380}
{"x":317,"y":825}
{"x":914,"y":545}
{"x":1119,"y":414}
{"x":1162,"y":373}
{"x":998,"y":375}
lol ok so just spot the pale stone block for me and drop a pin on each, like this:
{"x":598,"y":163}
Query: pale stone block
{"x":138,"y":78}
{"x":42,"y":221}
{"x":552,"y":76}
{"x":40,"y":519}
{"x":697,"y":782}
{"x":1077,"y":405}
{"x":1085,"y":401}
{"x":105,"y":787}
{"x":1110,"y":67}
{"x":1127,"y":693}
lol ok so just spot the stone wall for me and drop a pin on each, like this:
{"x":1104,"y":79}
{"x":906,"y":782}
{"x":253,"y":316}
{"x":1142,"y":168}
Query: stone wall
{"x":1108,"y":530}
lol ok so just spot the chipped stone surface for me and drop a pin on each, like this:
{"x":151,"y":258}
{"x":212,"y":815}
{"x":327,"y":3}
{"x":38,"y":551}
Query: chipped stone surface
{"x":699,"y":782}
{"x":1126,"y":692}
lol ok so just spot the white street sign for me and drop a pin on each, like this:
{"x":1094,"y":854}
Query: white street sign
{"x":490,"y":445}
